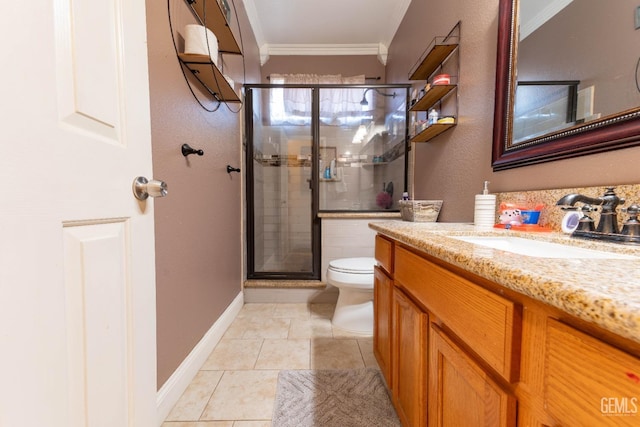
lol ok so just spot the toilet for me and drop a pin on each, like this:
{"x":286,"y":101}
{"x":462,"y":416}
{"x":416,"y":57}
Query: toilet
{"x":354,"y":279}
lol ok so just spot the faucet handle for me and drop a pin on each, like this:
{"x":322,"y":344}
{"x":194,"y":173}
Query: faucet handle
{"x":632,"y":211}
{"x":586,"y":223}
{"x":631,"y":227}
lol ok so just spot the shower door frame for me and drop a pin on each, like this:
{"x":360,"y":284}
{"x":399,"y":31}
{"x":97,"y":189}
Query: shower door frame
{"x":314,"y":182}
{"x":315,"y":272}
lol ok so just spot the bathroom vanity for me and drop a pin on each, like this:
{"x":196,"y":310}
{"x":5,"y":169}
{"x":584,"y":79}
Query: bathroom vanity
{"x":468,"y":334}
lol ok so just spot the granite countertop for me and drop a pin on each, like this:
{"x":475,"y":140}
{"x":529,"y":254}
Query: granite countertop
{"x":605,"y":292}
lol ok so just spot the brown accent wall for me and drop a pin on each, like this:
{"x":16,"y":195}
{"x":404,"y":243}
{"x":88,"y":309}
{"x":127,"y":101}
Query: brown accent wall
{"x":453,"y":166}
{"x":198,"y":225}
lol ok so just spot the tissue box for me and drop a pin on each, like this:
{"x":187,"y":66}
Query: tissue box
{"x":420,"y":210}
{"x":530,"y":217}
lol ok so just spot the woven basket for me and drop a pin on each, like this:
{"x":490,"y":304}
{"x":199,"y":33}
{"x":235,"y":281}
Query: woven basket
{"x":420,"y":210}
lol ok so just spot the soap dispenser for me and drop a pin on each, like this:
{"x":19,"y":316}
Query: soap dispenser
{"x":485,"y":209}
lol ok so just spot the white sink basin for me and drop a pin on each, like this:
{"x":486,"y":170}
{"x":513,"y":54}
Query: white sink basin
{"x":540,"y":249}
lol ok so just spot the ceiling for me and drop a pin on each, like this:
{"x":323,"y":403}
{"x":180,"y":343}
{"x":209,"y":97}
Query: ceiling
{"x":325,"y":27}
{"x":535,"y":13}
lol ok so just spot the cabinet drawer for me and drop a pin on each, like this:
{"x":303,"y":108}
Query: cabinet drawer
{"x":486,"y":322}
{"x":384,"y":253}
{"x":588,"y":382}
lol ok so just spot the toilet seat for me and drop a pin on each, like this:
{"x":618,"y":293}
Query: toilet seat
{"x":362,"y":265}
{"x":353,"y":273}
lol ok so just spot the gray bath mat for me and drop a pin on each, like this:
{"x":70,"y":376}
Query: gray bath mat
{"x":333,"y":398}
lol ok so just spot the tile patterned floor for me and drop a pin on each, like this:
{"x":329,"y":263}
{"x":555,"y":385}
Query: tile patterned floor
{"x":236,"y":386}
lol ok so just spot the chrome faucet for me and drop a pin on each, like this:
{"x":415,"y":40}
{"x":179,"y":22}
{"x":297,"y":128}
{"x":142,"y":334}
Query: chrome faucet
{"x":608,"y":214}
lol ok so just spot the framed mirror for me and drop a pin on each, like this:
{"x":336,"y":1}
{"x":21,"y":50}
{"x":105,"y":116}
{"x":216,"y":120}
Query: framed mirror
{"x":567,"y":80}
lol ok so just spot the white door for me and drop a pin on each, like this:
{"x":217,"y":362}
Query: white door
{"x":77,"y":282}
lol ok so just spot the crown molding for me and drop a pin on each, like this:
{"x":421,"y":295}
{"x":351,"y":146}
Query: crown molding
{"x":377,"y":49}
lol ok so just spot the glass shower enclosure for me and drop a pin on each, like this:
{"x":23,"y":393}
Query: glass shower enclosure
{"x":315,"y":149}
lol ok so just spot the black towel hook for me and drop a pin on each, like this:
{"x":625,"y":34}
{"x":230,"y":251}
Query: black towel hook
{"x":186,"y":150}
{"x":232,"y":169}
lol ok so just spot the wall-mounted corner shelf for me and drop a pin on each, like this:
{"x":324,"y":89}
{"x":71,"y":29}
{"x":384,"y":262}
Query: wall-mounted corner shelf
{"x":432,"y":60}
{"x":433,"y":95}
{"x":431,"y":132}
{"x":210,"y":14}
{"x":439,"y":52}
{"x":201,"y":67}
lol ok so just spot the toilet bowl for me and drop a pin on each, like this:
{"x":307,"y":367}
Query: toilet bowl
{"x":354,"y":279}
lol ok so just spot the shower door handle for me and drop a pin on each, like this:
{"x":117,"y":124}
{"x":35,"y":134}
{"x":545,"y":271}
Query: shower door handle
{"x":310,"y":183}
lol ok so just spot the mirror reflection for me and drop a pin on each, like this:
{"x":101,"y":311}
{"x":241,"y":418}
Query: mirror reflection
{"x":577,"y":62}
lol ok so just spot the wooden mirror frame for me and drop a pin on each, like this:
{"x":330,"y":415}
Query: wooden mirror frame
{"x":612,"y":132}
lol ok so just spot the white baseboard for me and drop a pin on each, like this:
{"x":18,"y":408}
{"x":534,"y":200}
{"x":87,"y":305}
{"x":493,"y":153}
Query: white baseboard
{"x":178,"y":382}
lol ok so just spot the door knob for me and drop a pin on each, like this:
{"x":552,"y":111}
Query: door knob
{"x":143,"y":188}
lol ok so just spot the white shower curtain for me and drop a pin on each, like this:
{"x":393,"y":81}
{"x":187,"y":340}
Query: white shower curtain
{"x":293,"y":105}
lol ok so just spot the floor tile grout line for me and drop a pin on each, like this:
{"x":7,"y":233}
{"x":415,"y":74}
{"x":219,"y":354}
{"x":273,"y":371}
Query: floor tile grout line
{"x":255,"y":362}
{"x":204,"y":408}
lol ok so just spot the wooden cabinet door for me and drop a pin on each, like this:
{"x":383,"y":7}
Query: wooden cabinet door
{"x":485,"y":321}
{"x":382,"y":304}
{"x":461,"y":393}
{"x":409,"y":360}
{"x":588,"y":382}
